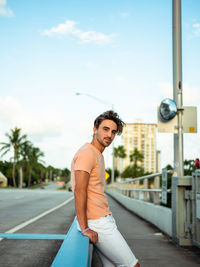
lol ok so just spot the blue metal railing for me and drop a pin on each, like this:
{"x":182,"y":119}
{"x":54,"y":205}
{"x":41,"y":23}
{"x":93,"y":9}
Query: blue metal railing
{"x":74,"y":251}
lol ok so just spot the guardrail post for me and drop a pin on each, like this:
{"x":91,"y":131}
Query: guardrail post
{"x":145,"y":186}
{"x":138,"y":192}
{"x":157,"y":186}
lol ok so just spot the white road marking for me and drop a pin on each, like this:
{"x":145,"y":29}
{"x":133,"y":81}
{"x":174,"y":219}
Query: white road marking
{"x":22,"y":225}
{"x":19,"y":197}
{"x":158,"y":234}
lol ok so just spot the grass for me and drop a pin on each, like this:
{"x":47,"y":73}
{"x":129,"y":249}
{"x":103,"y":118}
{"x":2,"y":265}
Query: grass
{"x":62,"y":188}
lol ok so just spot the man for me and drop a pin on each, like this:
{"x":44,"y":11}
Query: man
{"x":94,"y":218}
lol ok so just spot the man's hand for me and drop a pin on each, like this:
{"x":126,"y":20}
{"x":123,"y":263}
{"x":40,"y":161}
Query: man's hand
{"x":93,"y":236}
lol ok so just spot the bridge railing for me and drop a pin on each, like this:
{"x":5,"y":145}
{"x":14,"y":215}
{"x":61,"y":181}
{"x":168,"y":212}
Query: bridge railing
{"x":75,"y":250}
{"x":146,"y":188}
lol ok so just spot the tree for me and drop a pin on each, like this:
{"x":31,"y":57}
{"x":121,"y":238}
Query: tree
{"x":25,"y":150}
{"x":15,"y":141}
{"x":119,"y":152}
{"x":189,"y":167}
{"x":33,"y":161}
{"x":136,"y":157}
{"x":134,"y":170}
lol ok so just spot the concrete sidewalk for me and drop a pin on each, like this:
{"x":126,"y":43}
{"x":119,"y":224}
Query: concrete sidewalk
{"x":151,"y":247}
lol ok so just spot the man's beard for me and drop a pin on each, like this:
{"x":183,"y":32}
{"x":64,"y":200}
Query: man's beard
{"x":104,"y":144}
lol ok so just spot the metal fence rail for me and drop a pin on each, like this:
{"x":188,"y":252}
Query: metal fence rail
{"x":146,"y":188}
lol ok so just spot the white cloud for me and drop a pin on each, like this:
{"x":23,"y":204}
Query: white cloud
{"x":191,"y":95}
{"x":69,"y":28}
{"x":196,"y":26}
{"x":90,"y":65}
{"x":194,"y":32}
{"x":46,"y":124}
{"x":124,"y":15}
{"x":5,"y":11}
{"x":62,"y":29}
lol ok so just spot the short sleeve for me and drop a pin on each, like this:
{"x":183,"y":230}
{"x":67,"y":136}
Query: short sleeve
{"x":84,"y":160}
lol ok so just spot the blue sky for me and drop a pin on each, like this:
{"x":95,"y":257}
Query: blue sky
{"x":118,"y":51}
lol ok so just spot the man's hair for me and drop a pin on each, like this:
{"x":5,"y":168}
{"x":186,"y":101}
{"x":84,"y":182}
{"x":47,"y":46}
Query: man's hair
{"x":110,"y":115}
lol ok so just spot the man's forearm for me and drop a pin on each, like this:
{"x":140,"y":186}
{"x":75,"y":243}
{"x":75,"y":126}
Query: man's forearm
{"x":81,"y":207}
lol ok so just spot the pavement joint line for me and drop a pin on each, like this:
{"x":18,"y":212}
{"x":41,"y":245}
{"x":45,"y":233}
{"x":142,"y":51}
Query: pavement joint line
{"x":22,"y":225}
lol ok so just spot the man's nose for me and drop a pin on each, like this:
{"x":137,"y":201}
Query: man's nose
{"x":110,"y":134}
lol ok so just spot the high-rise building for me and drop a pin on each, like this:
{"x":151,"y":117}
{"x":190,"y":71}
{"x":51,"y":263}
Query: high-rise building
{"x":143,"y":137}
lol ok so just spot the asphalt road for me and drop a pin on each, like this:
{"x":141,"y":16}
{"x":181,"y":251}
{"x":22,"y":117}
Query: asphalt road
{"x":19,"y":206}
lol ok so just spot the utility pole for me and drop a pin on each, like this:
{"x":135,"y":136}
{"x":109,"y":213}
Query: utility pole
{"x":177,"y":85}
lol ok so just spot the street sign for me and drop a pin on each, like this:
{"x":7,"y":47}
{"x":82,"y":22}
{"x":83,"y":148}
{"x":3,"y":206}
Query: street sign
{"x":107,"y":175}
{"x":164,"y":186}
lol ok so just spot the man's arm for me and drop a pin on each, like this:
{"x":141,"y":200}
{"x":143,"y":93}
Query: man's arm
{"x":80,"y":194}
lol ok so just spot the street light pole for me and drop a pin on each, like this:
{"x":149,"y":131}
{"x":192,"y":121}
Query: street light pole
{"x":177,"y":85}
{"x":112,"y":107}
{"x":113,"y":158}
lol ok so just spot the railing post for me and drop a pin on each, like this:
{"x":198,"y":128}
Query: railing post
{"x":138,"y":192}
{"x":156,"y":194}
{"x":145,"y":186}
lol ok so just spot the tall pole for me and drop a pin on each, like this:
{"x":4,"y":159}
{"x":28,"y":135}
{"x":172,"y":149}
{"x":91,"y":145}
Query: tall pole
{"x":177,"y":85}
{"x":113,"y":159}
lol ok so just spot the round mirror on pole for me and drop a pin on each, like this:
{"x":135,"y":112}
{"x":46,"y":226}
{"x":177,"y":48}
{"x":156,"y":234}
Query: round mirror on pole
{"x":167,"y":109}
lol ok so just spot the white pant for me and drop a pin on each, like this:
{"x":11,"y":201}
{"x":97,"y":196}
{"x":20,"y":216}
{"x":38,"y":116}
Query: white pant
{"x":111,"y":246}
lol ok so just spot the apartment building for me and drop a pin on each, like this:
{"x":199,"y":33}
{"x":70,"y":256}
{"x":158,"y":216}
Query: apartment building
{"x":143,"y":137}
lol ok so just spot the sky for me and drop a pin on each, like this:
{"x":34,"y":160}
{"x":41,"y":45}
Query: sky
{"x":116,"y":53}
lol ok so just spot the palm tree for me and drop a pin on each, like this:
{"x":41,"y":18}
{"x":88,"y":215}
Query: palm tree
{"x":120,"y":152}
{"x":136,"y":156}
{"x":25,"y":150}
{"x":15,"y":142}
{"x":34,"y":160}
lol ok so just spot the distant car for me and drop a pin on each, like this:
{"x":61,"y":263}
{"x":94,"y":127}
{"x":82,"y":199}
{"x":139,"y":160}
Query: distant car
{"x":42,"y":187}
{"x":69,"y":188}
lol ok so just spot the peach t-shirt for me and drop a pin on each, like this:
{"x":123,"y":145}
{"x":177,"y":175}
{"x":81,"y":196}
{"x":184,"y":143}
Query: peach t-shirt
{"x":88,"y":158}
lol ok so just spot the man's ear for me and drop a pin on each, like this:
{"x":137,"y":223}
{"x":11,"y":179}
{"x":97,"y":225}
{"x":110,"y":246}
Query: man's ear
{"x":94,"y":130}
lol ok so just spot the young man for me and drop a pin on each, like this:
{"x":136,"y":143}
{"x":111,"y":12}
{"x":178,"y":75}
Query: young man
{"x":94,"y":218}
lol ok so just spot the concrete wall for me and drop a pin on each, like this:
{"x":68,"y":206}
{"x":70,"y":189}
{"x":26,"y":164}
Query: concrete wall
{"x":157,"y":215}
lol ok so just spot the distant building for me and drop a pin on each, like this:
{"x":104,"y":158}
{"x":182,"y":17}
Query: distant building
{"x":143,"y":137}
{"x":3,"y":180}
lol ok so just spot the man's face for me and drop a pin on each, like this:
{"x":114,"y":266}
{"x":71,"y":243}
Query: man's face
{"x":106,"y":132}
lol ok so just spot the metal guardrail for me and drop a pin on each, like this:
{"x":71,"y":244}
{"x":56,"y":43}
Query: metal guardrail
{"x":74,"y":251}
{"x":149,"y":192}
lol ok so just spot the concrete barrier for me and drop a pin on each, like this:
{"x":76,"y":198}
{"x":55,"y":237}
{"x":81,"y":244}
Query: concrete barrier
{"x":157,"y":215}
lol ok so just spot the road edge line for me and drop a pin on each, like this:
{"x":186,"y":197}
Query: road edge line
{"x":22,"y":225}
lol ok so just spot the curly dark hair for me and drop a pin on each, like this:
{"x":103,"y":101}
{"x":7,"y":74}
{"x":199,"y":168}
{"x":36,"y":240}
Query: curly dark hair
{"x":110,"y":115}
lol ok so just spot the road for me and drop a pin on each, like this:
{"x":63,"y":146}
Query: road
{"x":20,"y":206}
